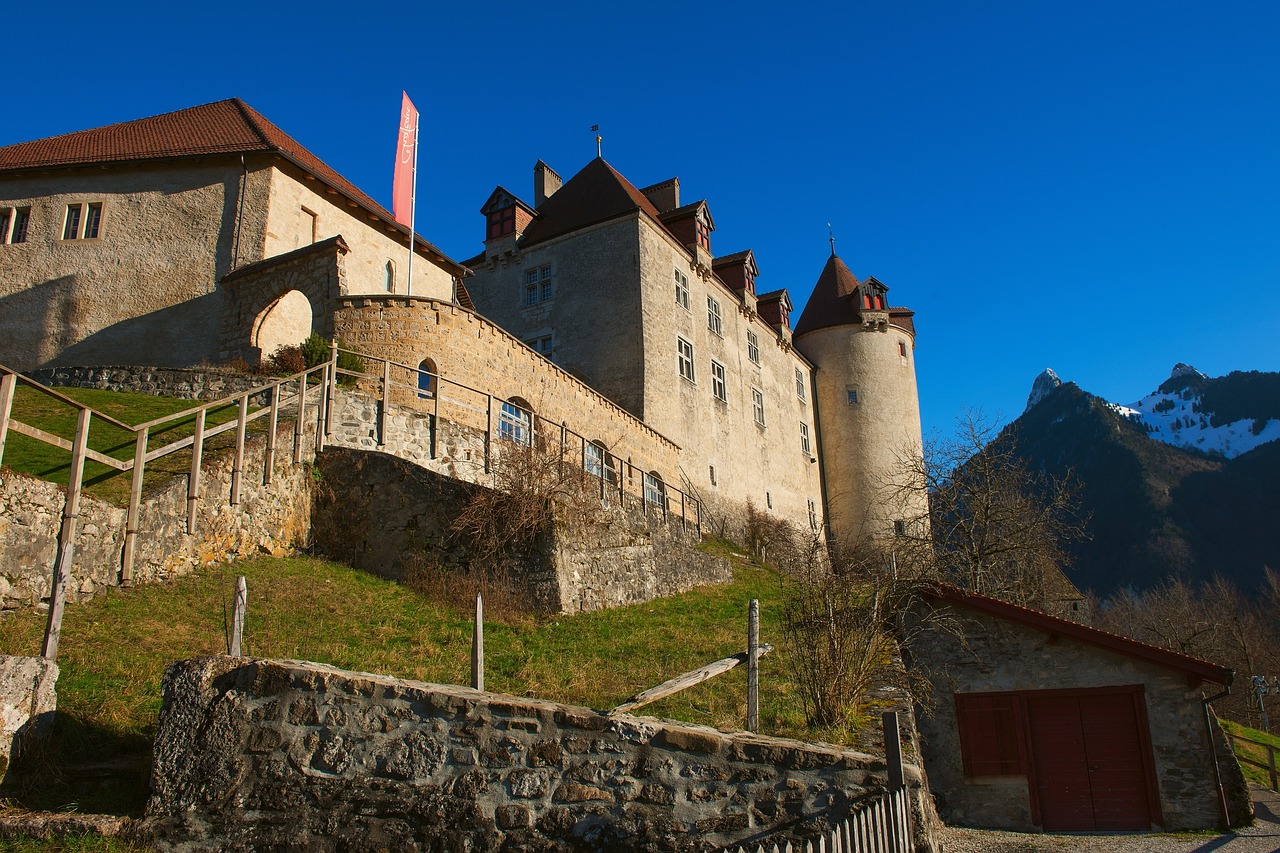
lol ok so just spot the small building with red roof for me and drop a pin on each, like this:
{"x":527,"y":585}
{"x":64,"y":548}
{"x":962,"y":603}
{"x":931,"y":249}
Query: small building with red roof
{"x":1037,"y":723}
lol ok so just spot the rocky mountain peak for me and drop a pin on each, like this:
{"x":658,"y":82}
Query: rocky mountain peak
{"x":1046,"y":383}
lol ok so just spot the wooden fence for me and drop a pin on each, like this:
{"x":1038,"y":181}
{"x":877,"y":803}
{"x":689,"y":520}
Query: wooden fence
{"x":288,"y":395}
{"x":494,"y":418}
{"x":1242,"y":755}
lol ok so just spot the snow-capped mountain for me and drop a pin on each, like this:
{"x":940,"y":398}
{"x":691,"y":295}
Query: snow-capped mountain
{"x":1226,"y":416}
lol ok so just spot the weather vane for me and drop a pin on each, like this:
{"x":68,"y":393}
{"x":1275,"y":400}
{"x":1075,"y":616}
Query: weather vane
{"x":595,"y":128}
{"x":832,"y":235}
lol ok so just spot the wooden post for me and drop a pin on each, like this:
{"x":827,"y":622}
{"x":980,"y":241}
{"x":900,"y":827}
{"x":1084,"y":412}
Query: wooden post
{"x":238,"y":606}
{"x":333,"y":388}
{"x":273,"y":422}
{"x":8,"y":385}
{"x":893,"y":749}
{"x":488,"y":432}
{"x":193,"y":482}
{"x":135,"y":504}
{"x":437,"y":388}
{"x":322,"y":411}
{"x":297,"y":421}
{"x":238,"y":466}
{"x":753,"y":665}
{"x":477,"y":646}
{"x":386,"y":402}
{"x":66,"y":539}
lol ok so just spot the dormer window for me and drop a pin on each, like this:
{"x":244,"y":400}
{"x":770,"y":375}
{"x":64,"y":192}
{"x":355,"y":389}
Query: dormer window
{"x":750,"y":278}
{"x":501,"y":223}
{"x":703,"y":234}
{"x":785,"y":315}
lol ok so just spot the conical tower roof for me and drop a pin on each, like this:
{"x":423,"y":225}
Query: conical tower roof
{"x":831,"y":303}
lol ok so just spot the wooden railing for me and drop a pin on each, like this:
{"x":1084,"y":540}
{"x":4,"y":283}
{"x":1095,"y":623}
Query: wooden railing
{"x":1269,"y":765}
{"x":284,"y":397}
{"x":443,"y":399}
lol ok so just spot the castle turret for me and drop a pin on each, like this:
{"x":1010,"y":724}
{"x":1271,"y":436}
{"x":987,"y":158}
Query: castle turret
{"x":867,"y":405}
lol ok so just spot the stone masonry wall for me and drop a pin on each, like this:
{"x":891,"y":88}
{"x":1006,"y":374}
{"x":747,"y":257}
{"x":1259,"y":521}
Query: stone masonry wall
{"x":183,"y":383}
{"x":272,"y":519}
{"x":1033,"y":660}
{"x":253,"y":755}
{"x":388,"y":516}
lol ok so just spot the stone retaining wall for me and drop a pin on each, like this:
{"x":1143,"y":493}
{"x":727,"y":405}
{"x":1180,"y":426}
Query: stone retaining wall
{"x":183,"y":383}
{"x":255,"y":754}
{"x":272,"y":519}
{"x":382,"y":514}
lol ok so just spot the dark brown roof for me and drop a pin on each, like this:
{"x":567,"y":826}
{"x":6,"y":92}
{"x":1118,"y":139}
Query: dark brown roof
{"x":222,"y":127}
{"x":1102,"y":639}
{"x":903,"y":318}
{"x":596,"y":194}
{"x":830,"y":304}
{"x":729,"y":259}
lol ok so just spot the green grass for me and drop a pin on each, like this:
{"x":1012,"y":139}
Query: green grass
{"x":30,"y":456}
{"x":83,"y":844}
{"x":1257,"y":775}
{"x":114,"y":649}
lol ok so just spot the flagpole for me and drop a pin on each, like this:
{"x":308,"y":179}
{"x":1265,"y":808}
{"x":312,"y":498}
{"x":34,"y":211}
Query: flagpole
{"x":413,"y":204}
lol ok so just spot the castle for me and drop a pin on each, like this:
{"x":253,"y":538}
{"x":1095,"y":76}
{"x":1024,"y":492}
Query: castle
{"x":208,"y":234}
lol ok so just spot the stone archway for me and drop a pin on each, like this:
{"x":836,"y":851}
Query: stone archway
{"x":280,"y":300}
{"x":285,"y":322}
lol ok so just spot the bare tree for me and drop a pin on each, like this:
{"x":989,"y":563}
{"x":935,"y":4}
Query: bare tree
{"x":993,"y":524}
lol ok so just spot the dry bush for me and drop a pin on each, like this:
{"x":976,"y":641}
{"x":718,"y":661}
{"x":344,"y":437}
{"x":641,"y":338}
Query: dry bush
{"x":505,"y":600}
{"x":286,"y":361}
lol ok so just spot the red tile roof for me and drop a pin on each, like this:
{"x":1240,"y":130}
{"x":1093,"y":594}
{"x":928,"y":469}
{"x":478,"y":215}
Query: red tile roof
{"x":830,"y":304}
{"x":1102,"y":639}
{"x":596,"y":194}
{"x":222,"y":127}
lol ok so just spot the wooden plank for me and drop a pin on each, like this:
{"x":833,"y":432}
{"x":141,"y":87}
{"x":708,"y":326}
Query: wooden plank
{"x":238,"y":607}
{"x":753,"y":665}
{"x":39,"y":434}
{"x":193,"y":481}
{"x":238,"y":465}
{"x":273,"y":423}
{"x":8,"y":385}
{"x":135,"y":503}
{"x":687,"y":680}
{"x":477,"y":646}
{"x":66,"y":539}
{"x":183,"y":443}
{"x":45,"y":389}
{"x":297,"y":421}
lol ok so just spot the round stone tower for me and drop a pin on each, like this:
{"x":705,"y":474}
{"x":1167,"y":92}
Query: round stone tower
{"x":868,"y":410}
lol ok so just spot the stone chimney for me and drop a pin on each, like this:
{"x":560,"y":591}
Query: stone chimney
{"x":545,"y":183}
{"x":665,"y":196}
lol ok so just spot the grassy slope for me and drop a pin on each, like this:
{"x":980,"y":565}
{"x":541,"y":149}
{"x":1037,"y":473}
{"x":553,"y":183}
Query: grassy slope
{"x":1257,"y":775}
{"x":114,"y":649}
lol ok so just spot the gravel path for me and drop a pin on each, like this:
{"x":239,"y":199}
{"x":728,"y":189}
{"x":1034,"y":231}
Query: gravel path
{"x":1262,"y":837}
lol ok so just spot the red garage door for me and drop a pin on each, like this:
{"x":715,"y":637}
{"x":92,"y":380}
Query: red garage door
{"x":1089,"y":756}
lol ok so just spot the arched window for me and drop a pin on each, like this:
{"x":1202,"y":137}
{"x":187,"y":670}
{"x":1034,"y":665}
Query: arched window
{"x":655,"y":491}
{"x":426,"y":378}
{"x":515,"y":422}
{"x":593,"y":459}
{"x":389,"y":276}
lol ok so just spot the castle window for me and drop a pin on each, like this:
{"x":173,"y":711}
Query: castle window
{"x":13,"y":224}
{"x":515,"y":422}
{"x":539,"y":284}
{"x":655,"y":492}
{"x":82,"y":222}
{"x":757,"y":405}
{"x":768,"y":500}
{"x":704,"y":234}
{"x":750,"y":280}
{"x":682,"y":290}
{"x":389,"y":276}
{"x":684,"y":355}
{"x":804,"y":438}
{"x":718,"y":387}
{"x":800,"y":384}
{"x":902,"y":351}
{"x":851,"y":395}
{"x":310,"y":225}
{"x":713,"y":315}
{"x":713,"y":474}
{"x":813,"y":516}
{"x":753,"y":347}
{"x":899,"y":527}
{"x":501,"y":223}
{"x":593,"y":459}
{"x":426,"y":378}
{"x":543,"y":345}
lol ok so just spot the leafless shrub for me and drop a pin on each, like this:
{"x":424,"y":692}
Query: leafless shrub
{"x":286,"y":361}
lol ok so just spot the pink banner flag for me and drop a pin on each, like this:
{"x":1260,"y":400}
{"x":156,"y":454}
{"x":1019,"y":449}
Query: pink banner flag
{"x":406,"y":156}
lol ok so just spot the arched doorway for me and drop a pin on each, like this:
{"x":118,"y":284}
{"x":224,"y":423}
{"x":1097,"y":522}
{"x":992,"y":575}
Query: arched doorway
{"x":285,"y":322}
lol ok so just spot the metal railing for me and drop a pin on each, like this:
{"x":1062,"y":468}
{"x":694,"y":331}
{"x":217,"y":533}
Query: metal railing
{"x":443,"y":399}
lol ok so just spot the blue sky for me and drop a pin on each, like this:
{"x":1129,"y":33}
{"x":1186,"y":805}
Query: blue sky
{"x":1088,"y":186}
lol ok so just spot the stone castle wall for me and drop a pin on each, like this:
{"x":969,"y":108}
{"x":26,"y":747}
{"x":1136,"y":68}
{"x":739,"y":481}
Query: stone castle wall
{"x":183,"y":383}
{"x":256,"y":755}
